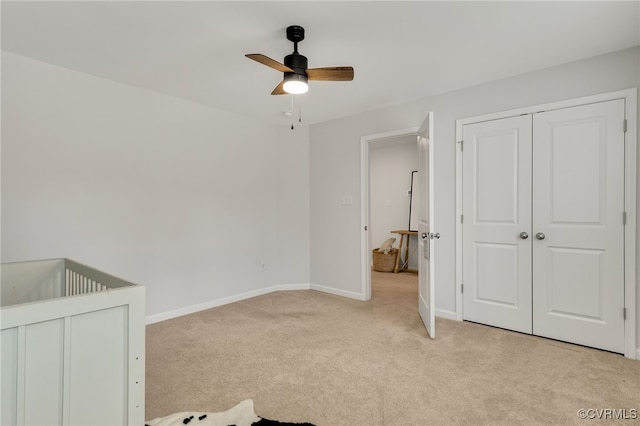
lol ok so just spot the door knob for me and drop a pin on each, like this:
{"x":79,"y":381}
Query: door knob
{"x":540,"y":236}
{"x":426,"y":235}
{"x":524,"y":235}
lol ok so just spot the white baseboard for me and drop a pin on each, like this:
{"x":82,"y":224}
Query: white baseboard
{"x":446,"y":314}
{"x":224,"y":301}
{"x":281,"y":287}
{"x":338,"y":292}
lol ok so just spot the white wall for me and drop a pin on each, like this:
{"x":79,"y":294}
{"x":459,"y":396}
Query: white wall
{"x":292,"y":207}
{"x":335,"y":159}
{"x":185,"y":199}
{"x":390,"y":167}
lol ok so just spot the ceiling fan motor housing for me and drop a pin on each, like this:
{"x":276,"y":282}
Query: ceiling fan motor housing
{"x":297,"y":62}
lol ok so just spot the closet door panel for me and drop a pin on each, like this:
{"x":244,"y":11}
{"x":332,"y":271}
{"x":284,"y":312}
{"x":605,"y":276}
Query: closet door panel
{"x":497,"y":209}
{"x":578,"y":202}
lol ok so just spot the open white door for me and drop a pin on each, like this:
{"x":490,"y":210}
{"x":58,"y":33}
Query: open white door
{"x":426,"y":304}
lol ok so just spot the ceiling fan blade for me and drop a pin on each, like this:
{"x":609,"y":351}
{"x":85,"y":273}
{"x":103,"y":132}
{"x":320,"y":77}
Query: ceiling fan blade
{"x":279,"y":90}
{"x":265,"y":60}
{"x":331,"y":74}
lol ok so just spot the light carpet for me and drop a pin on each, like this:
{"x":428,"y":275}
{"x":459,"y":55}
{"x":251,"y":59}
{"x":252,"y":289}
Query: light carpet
{"x":311,"y":356}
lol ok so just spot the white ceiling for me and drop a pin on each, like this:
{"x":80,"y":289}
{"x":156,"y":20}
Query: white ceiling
{"x":400,"y":50}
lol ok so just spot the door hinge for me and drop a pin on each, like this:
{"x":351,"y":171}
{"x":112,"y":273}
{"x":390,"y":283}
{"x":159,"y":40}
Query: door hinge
{"x":461,"y":288}
{"x":461,"y":145}
{"x":624,"y":218}
{"x":624,"y":314}
{"x":461,"y":218}
{"x":366,"y":228}
{"x":624,"y":126}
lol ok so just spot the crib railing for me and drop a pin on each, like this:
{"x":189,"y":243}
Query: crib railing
{"x":81,"y":279}
{"x":76,"y":283}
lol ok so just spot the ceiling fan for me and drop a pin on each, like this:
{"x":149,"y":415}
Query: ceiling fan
{"x":296,"y":73}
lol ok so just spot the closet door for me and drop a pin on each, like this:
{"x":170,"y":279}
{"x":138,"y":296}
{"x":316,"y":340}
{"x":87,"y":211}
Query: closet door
{"x":578,"y":231}
{"x":496,"y":176}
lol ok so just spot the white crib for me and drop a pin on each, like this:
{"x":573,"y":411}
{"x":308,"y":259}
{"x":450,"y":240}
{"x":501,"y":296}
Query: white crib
{"x":72,"y":346}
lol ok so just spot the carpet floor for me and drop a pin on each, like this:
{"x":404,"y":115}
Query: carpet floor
{"x":307,"y":356}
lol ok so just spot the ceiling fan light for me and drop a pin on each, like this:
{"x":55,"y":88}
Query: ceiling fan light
{"x":295,"y":84}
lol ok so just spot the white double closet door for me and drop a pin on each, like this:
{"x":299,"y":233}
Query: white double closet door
{"x":543,"y":232}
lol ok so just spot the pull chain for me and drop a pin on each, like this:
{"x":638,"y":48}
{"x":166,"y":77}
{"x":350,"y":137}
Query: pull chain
{"x":291,"y":110}
{"x":299,"y":112}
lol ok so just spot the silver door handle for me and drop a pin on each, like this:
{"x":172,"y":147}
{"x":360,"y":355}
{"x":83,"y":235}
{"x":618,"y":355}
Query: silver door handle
{"x":431,"y":236}
{"x":540,"y":236}
{"x":524,"y":235}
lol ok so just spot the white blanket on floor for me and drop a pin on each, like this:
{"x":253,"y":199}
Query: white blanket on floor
{"x":240,"y":415}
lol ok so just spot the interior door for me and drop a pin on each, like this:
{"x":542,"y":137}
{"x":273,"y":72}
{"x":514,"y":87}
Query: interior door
{"x":578,"y":199}
{"x":496,"y":223}
{"x":426,"y":252}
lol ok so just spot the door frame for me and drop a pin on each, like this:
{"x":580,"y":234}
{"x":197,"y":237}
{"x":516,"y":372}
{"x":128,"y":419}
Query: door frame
{"x":631,"y":140}
{"x":365,"y":207}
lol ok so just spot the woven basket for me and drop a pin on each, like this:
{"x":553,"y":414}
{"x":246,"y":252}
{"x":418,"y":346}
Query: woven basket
{"x":384,"y":262}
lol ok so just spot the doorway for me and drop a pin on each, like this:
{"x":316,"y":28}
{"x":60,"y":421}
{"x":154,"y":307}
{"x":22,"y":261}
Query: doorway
{"x":392,"y":166}
{"x":392,"y":202}
{"x":422,"y":195}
